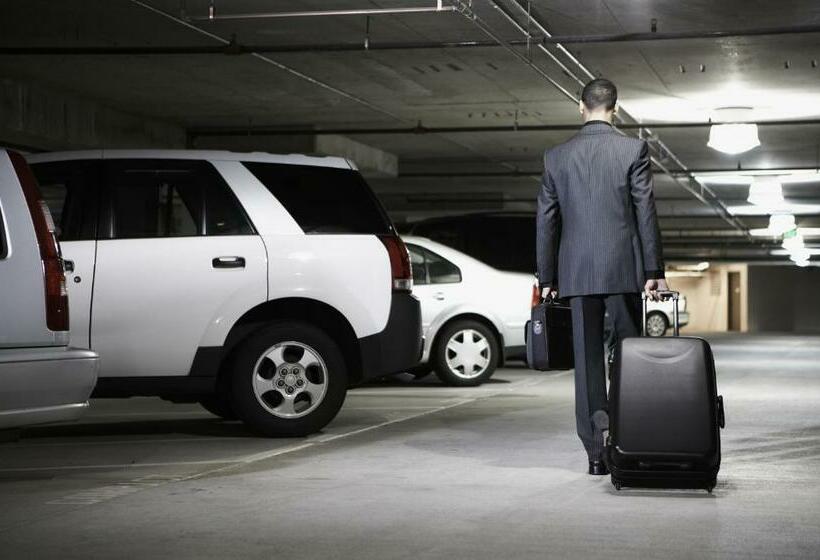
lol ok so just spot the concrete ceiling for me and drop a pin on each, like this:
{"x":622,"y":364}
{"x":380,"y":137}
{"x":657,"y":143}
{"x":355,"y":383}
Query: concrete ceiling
{"x":465,"y":87}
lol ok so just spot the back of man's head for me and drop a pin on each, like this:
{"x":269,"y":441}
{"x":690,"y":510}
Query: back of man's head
{"x":599,"y":94}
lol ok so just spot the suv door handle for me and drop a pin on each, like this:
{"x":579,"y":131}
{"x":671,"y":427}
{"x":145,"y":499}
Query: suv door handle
{"x":228,"y":262}
{"x":439,"y":296}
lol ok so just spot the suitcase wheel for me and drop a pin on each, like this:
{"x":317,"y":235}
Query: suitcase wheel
{"x":617,"y":486}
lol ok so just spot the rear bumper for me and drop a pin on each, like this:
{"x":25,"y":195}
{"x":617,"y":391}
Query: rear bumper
{"x":399,"y":346}
{"x":40,"y":385}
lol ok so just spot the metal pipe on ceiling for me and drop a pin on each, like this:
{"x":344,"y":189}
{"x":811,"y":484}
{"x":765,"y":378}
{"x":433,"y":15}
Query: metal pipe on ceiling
{"x":270,"y":61}
{"x":539,"y":172}
{"x":439,"y":7}
{"x":538,"y":40}
{"x":261,"y":130}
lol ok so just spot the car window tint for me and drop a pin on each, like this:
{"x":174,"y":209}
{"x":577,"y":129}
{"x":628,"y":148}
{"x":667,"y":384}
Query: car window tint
{"x":69,"y":190}
{"x":417,"y":264}
{"x":323,"y":199}
{"x":172,"y":198}
{"x":440,"y":270}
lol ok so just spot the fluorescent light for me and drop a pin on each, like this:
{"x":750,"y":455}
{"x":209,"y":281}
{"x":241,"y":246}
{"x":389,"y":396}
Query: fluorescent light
{"x":785,"y":208}
{"x":802,"y":264}
{"x":765,"y":191}
{"x":741,"y":177}
{"x":786,"y":252}
{"x":734,"y":138}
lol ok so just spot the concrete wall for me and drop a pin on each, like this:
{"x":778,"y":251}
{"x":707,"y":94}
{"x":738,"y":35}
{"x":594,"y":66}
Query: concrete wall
{"x":784,"y":299}
{"x":38,"y":118}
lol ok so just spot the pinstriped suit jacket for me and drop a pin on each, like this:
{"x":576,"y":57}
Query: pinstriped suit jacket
{"x":597,"y":229}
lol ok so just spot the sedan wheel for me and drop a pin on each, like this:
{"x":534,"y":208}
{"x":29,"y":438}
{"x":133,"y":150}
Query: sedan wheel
{"x":656,"y":325}
{"x":466,"y":354}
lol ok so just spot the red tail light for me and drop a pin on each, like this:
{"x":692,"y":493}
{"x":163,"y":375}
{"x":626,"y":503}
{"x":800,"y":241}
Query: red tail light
{"x":400,"y":271}
{"x":53,"y":276}
{"x":536,"y":296}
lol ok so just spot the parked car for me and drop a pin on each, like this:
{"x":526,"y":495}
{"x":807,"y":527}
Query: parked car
{"x":260,"y":285}
{"x":506,"y":241}
{"x":41,"y":378}
{"x":473,"y":315}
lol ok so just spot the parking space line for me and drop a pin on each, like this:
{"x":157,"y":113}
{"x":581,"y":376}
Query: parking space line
{"x":229,"y":464}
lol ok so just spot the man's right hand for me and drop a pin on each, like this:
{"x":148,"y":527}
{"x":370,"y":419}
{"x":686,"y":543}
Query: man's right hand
{"x":652,"y":287}
{"x":548,"y":293}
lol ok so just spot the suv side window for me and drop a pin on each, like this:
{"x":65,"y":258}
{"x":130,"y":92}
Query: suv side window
{"x":69,"y":189}
{"x":171,"y":198}
{"x":430,"y":268}
{"x":323,"y":200}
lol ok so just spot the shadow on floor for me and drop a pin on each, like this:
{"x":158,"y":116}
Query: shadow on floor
{"x":213,"y":427}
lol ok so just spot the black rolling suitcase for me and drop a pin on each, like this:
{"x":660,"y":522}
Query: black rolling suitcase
{"x":548,"y":335}
{"x":665,"y":413}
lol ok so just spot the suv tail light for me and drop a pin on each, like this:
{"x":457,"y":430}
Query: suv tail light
{"x":400,"y":271}
{"x":536,"y":295}
{"x":53,"y":276}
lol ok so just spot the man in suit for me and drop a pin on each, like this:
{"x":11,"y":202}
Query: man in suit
{"x":598,"y":244}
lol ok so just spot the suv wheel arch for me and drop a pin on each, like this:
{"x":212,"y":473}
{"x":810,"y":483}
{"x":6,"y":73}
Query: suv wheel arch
{"x":303,"y":310}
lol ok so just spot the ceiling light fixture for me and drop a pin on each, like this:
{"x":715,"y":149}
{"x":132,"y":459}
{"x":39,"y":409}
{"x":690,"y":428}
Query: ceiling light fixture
{"x":733,"y":137}
{"x":781,"y":223}
{"x":765,"y":191}
{"x":793,"y":241}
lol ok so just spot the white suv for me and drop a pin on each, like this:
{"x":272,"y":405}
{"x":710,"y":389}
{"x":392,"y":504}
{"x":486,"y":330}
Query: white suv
{"x":260,"y":285}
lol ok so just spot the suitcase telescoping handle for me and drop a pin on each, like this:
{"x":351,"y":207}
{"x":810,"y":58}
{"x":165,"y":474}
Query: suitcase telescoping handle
{"x":665,"y":296}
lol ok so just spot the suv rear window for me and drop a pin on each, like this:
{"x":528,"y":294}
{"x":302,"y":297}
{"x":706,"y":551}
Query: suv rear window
{"x":323,"y":199}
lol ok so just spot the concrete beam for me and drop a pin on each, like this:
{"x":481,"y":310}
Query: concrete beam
{"x":39,"y":118}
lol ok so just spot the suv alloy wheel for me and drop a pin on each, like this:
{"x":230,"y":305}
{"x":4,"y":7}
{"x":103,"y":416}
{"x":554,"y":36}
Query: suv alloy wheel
{"x":289,"y":379}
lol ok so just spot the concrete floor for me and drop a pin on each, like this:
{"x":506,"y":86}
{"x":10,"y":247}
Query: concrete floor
{"x":415,"y":470}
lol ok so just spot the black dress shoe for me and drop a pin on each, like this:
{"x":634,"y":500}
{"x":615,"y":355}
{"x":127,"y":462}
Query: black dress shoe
{"x":598,"y":468}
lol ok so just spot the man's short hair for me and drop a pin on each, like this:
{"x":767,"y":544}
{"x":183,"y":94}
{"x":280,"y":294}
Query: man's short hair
{"x":598,"y":93}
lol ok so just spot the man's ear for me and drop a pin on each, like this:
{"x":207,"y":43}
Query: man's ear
{"x":615,"y":109}
{"x":581,"y":107}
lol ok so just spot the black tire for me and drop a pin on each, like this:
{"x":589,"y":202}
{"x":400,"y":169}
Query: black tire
{"x":658,"y":320}
{"x":219,"y":405}
{"x":259,"y":418}
{"x":421,"y":371}
{"x":440,"y":354}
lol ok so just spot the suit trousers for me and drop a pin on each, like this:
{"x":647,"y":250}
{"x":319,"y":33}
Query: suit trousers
{"x":590,"y":373}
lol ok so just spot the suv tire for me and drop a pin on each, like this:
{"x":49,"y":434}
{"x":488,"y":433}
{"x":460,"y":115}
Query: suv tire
{"x":478,"y":363}
{"x":289,"y":379}
{"x":656,"y":324}
{"x":219,"y":405}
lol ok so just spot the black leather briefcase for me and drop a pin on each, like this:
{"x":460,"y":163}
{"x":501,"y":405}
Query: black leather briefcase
{"x":665,"y":413}
{"x":549,"y":337}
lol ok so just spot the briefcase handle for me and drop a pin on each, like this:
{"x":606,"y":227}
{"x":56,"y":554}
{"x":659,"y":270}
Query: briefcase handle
{"x":665,"y":295}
